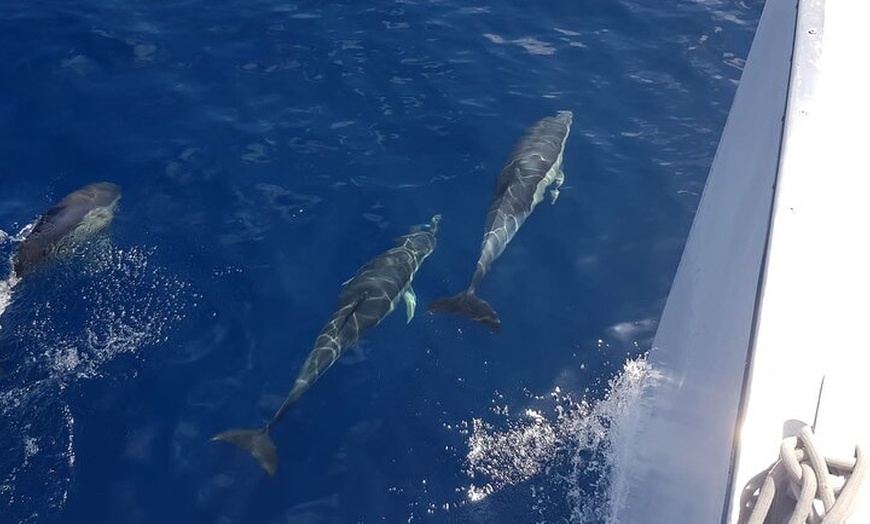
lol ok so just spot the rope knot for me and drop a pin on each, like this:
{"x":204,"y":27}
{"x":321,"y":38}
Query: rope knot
{"x":788,"y":489}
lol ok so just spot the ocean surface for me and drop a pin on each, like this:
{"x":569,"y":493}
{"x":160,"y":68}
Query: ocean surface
{"x":265,"y":151}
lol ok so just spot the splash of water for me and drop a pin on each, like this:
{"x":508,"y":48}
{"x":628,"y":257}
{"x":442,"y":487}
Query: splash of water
{"x":65,"y":326}
{"x":568,"y":448}
{"x":7,"y":286}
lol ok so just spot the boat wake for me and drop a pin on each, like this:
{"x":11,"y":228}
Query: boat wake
{"x":559,"y":456}
{"x":63,"y":326}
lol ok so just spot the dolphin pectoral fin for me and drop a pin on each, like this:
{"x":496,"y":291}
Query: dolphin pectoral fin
{"x":557,"y":183}
{"x":554,"y":194}
{"x":410,"y":303}
{"x":257,"y":442}
{"x":470,"y":306}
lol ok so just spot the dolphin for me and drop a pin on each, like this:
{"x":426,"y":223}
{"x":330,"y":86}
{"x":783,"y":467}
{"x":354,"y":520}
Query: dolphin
{"x":365,"y":299}
{"x":534,"y":164}
{"x":79,"y":215}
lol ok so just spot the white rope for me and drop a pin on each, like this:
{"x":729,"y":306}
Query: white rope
{"x":788,"y":489}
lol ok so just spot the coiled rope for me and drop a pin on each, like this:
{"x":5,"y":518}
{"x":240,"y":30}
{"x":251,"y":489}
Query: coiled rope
{"x":800,"y":477}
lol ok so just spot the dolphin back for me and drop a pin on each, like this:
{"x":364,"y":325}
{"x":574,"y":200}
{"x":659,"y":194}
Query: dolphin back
{"x":531,"y":159}
{"x":78,"y":211}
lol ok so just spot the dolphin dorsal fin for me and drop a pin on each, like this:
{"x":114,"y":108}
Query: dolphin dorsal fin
{"x":353,"y":307}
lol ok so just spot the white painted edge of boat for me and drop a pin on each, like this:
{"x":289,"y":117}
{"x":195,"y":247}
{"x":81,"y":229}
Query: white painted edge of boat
{"x":673,"y":457}
{"x":816,"y":285}
{"x":771,"y":292}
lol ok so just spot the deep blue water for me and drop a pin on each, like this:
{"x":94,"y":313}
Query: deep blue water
{"x":265,"y":151}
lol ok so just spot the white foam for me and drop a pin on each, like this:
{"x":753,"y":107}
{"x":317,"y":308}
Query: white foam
{"x":83,"y":313}
{"x":6,"y":293}
{"x":575,"y":438}
{"x":6,"y":286}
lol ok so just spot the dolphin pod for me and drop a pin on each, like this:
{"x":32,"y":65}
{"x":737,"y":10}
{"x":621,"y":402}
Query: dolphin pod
{"x":79,"y":215}
{"x":534,"y":165}
{"x":365,"y":300}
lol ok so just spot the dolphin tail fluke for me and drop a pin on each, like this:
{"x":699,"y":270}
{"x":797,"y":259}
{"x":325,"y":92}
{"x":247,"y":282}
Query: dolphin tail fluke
{"x":257,"y":442}
{"x":468,"y":305}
